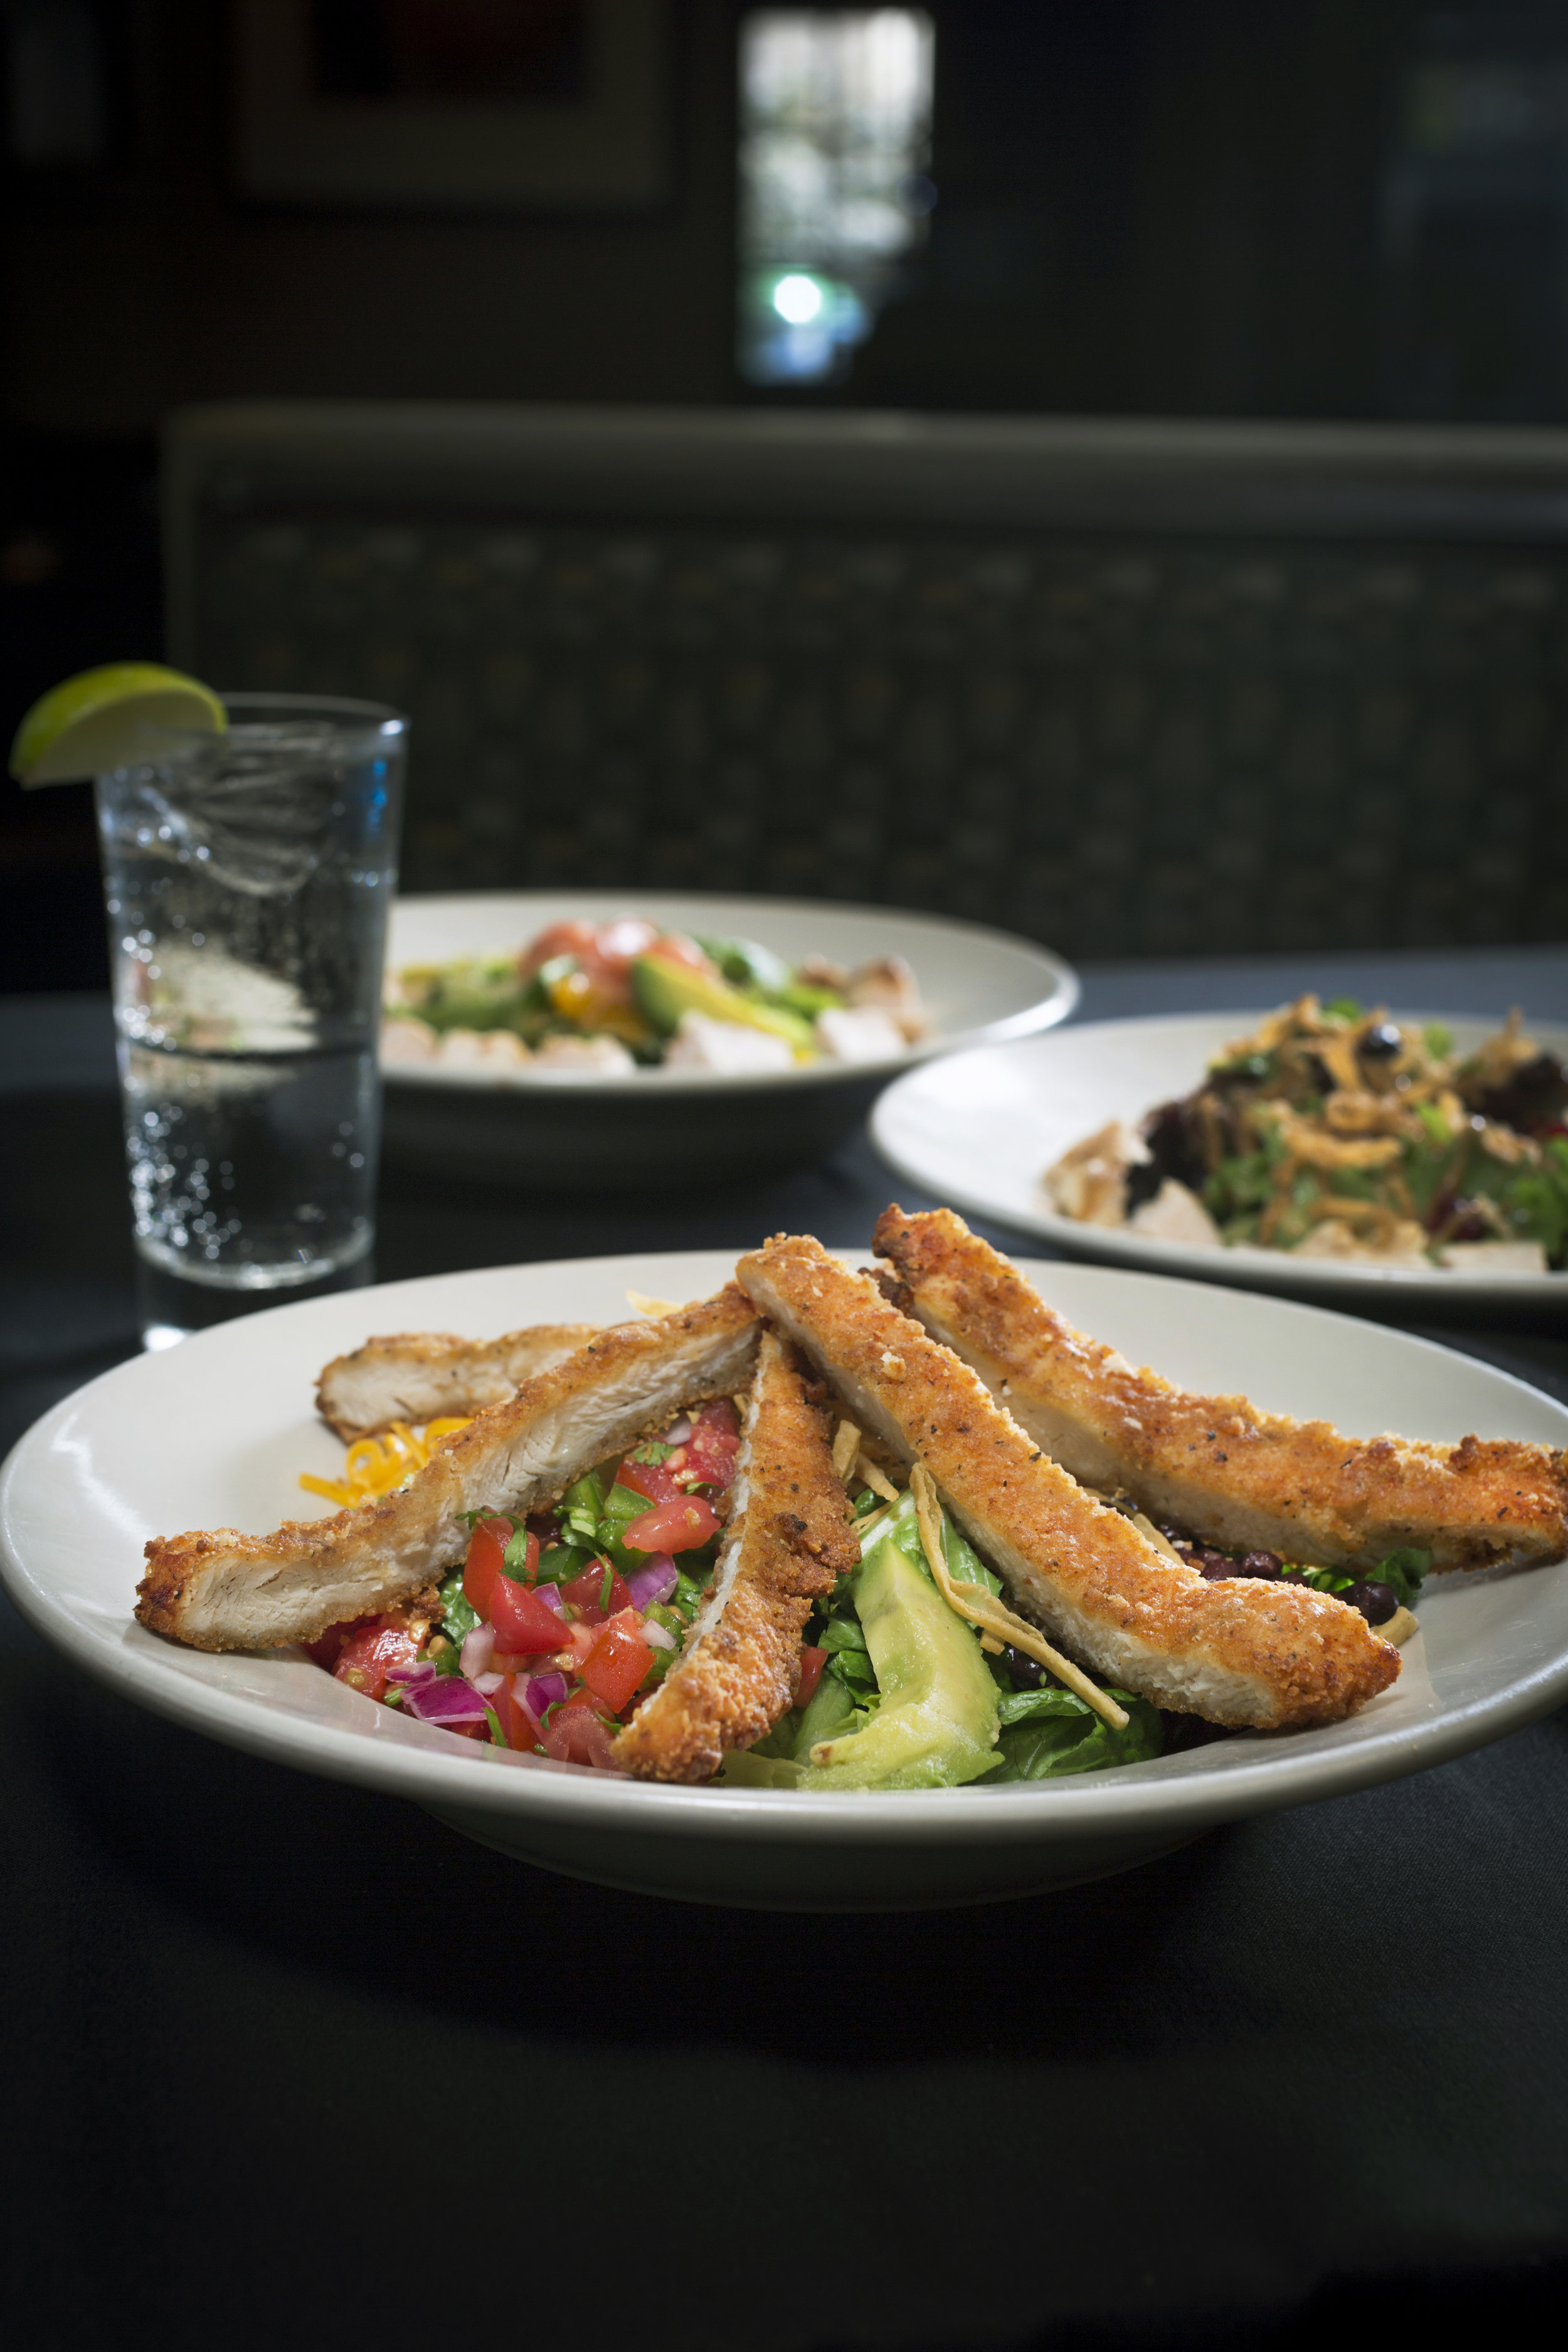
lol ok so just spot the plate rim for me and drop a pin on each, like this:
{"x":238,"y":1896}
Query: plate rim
{"x":1049,"y":1012}
{"x":1275,"y":1271}
{"x":519,"y":1788}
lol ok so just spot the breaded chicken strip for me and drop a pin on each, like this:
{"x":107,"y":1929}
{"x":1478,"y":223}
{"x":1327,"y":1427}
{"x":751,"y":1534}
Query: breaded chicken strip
{"x":419,"y":1376}
{"x":226,"y":1590}
{"x":1239,"y":1651}
{"x":1232,"y":1474}
{"x":788,"y":1540}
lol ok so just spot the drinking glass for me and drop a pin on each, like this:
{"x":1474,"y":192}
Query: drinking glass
{"x":246,"y":877}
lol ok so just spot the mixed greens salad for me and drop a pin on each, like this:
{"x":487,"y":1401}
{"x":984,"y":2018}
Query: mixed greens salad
{"x":624,"y":996}
{"x":1335,"y":1132}
{"x":955,"y":1708}
{"x":555,"y":1629}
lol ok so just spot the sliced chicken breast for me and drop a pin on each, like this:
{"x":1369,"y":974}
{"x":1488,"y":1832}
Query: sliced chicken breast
{"x":419,"y":1376}
{"x":226,"y":1590}
{"x":1217,"y":1465}
{"x":788,"y":1540}
{"x":1239,"y":1651}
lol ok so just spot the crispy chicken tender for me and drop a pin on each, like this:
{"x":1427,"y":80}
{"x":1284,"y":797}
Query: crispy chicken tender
{"x":1216,"y":1465}
{"x":1239,"y":1651}
{"x":419,"y":1376}
{"x":788,"y":1540}
{"x":226,"y":1590}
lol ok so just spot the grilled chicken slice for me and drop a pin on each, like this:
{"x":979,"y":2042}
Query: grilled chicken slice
{"x":1216,"y":1465}
{"x":224,"y":1590}
{"x":419,"y":1376}
{"x":1240,"y":1650}
{"x":789,"y":1538}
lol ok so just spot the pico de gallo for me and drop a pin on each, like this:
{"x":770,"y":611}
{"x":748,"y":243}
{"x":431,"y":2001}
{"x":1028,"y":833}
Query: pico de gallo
{"x":556,"y":1626}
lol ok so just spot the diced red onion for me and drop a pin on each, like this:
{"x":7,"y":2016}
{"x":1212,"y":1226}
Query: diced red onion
{"x":487,"y":1684}
{"x":542,"y":1691}
{"x":653,"y":1582}
{"x":550,"y":1596}
{"x":479,"y":1648}
{"x":678,"y":1432}
{"x":656,"y":1637}
{"x":446,"y":1698}
{"x":413,"y":1677}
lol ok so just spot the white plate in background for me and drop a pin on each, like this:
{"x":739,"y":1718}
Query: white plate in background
{"x":587,"y":1131}
{"x":980,"y":1129}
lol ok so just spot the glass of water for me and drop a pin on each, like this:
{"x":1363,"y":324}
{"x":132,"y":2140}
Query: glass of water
{"x":247,"y":877}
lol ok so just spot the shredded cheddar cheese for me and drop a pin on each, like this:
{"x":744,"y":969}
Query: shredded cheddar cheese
{"x":376,"y":1466}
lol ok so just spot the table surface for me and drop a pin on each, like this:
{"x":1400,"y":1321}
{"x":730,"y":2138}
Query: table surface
{"x":266,"y":2029}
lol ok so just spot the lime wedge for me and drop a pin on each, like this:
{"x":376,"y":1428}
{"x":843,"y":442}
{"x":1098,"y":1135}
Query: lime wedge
{"x":109,"y":717}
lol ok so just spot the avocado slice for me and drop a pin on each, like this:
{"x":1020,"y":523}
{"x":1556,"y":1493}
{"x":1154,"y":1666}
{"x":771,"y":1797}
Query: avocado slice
{"x":936,"y":1726}
{"x":664,"y":990}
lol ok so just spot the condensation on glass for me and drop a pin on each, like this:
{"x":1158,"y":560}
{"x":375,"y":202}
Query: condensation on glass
{"x":835,"y":107}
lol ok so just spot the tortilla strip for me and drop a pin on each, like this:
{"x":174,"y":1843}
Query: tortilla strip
{"x":788,"y":1540}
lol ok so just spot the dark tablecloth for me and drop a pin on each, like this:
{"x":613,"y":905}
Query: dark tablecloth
{"x":289,"y":2057}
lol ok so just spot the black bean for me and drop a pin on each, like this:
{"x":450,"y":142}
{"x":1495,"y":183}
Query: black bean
{"x":1028,"y":1673}
{"x":1185,"y":1731}
{"x":1259,"y":1563}
{"x":1381,"y":1042}
{"x":1377,"y":1602}
{"x":1212,"y":1565}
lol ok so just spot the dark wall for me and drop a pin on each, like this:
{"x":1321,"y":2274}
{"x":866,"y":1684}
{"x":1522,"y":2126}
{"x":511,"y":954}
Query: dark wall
{"x":1155,"y":206}
{"x":1206,"y":207}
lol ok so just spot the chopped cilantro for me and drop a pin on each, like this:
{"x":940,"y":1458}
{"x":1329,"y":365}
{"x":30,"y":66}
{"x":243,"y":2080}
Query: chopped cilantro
{"x":652,"y":1453}
{"x":459,"y":1615}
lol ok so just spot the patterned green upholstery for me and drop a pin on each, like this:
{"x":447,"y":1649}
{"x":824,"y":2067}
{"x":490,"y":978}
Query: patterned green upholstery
{"x":1124,"y":741}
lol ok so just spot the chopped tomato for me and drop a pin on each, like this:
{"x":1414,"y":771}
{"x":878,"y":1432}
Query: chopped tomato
{"x":586,"y":1592}
{"x":577,"y":1733}
{"x":561,"y":938}
{"x":674,"y":947}
{"x":603,"y":957}
{"x":522,"y":1732}
{"x":524,"y":1624}
{"x":654,"y":1481}
{"x":324,"y":1649}
{"x":365,"y":1658}
{"x":811,"y":1665}
{"x":617,"y":945}
{"x":487,"y":1552}
{"x":709,"y":1453}
{"x":617,"y":1663}
{"x":678,"y":1526}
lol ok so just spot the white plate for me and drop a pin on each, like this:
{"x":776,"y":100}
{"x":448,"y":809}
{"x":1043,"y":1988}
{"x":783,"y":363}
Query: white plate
{"x":213,"y":1433}
{"x":978,"y":984}
{"x":544,"y":1130}
{"x":980,"y":1129}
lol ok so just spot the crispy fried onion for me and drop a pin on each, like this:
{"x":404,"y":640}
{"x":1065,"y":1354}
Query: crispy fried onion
{"x":983,"y":1608}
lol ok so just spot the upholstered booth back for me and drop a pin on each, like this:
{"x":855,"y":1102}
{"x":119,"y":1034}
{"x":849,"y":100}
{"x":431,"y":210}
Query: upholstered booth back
{"x":1132,"y":688}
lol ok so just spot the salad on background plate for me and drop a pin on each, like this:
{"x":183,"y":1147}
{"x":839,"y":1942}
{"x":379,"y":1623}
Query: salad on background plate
{"x":615,"y":997}
{"x":1338,"y":1134}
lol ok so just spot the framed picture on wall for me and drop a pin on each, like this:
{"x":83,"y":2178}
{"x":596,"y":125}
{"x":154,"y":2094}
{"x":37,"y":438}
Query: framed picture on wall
{"x":452,"y":105}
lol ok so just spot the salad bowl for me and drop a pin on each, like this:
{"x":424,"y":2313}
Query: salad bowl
{"x":602,"y":1133}
{"x":216,"y":1432}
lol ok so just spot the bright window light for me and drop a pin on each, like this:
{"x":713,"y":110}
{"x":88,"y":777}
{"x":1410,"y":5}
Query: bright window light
{"x":797,"y":298}
{"x":835,"y":190}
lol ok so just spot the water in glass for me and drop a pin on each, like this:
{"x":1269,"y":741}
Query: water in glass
{"x":247,"y":877}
